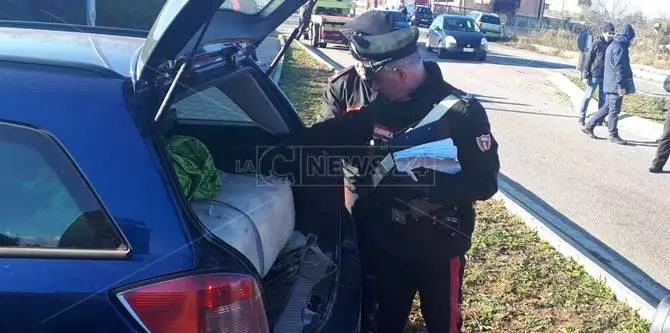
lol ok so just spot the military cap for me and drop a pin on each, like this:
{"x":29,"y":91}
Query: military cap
{"x":373,"y":38}
{"x":374,"y":42}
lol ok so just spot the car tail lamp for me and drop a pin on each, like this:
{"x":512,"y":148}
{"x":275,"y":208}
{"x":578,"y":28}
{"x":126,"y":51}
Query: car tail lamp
{"x":226,"y":303}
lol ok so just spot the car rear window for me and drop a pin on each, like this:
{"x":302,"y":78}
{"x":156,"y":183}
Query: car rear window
{"x":459,"y":24}
{"x":211,"y":104}
{"x":490,"y":19}
{"x":423,"y":10}
{"x":44,"y":200}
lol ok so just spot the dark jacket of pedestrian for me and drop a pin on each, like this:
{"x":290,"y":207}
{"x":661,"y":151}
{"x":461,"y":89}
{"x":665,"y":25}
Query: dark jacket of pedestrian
{"x":595,"y":62}
{"x":666,"y":84}
{"x":618,"y":73}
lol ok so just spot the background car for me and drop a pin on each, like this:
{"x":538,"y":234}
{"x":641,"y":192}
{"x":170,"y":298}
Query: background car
{"x":452,"y":35}
{"x":421,"y":16}
{"x":399,"y":20}
{"x":489,"y":24}
{"x":99,"y":231}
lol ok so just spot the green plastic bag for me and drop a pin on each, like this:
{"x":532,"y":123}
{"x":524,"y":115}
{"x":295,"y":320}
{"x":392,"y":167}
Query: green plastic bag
{"x":198,"y":177}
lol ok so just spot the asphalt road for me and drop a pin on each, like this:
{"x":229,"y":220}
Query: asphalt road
{"x":602,"y":187}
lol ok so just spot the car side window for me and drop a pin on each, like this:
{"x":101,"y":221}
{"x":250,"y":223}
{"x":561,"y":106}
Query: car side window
{"x":211,"y":104}
{"x":45,"y":202}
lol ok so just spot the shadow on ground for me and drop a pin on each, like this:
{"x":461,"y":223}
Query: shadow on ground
{"x":588,"y":245}
{"x":504,"y":60}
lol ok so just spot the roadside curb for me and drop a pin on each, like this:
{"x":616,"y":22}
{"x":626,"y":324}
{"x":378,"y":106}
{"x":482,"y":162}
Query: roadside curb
{"x":319,"y":57}
{"x":629,"y":284}
{"x":632,"y":124}
{"x":276,"y":76}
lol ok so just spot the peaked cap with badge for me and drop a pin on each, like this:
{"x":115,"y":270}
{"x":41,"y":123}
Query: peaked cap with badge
{"x":375,"y":43}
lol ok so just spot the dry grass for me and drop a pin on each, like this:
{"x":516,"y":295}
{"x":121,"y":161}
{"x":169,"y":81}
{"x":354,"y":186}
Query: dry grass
{"x":514,"y":281}
{"x":644,"y":52}
{"x":649,"y":107}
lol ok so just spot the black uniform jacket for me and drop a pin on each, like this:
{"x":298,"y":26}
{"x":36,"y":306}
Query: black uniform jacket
{"x":350,"y":136}
{"x":344,"y":93}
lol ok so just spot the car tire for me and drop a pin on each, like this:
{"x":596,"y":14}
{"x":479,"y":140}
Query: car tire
{"x":481,"y":58}
{"x":323,"y":45}
{"x":316,"y":31}
{"x":441,"y":53}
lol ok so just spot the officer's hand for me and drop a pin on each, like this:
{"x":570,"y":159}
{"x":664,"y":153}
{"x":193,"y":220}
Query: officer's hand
{"x":622,"y":92}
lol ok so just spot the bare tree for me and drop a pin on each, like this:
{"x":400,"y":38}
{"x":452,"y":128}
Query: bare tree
{"x":612,"y":10}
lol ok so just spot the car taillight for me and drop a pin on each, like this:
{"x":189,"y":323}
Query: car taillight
{"x":207,"y":303}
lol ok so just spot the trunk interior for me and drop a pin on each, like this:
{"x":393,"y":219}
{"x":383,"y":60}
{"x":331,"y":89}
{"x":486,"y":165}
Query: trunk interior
{"x":306,"y":273}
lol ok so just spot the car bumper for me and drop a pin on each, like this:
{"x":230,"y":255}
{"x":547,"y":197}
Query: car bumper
{"x":454,"y":50}
{"x":334,"y":37}
{"x":422,"y":22}
{"x":345,"y":315}
{"x":489,"y":34}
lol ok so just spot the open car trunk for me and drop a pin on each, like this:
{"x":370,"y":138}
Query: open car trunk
{"x":288,"y":228}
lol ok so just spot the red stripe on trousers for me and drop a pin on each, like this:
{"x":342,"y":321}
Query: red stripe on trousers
{"x":454,"y":291}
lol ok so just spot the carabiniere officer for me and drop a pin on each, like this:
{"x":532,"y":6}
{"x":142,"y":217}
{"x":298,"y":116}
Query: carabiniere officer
{"x":422,"y":224}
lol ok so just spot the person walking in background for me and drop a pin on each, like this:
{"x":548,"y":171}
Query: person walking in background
{"x":617,"y":83}
{"x":663,"y":150}
{"x":594,"y":70}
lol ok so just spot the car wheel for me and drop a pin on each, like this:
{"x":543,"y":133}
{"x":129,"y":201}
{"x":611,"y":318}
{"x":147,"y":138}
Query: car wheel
{"x":481,"y":57}
{"x":316,"y":31}
{"x":441,"y":53}
{"x":323,"y":45}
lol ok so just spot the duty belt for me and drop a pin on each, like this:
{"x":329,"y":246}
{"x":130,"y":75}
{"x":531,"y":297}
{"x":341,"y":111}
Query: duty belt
{"x":422,"y":211}
{"x":439,"y":110}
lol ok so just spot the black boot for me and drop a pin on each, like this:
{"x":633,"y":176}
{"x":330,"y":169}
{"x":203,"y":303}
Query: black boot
{"x":589,"y":132}
{"x":655,"y":169}
{"x":616,"y":139}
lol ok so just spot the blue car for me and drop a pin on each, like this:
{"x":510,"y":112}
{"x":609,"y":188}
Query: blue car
{"x":97,"y":234}
{"x":399,"y":20}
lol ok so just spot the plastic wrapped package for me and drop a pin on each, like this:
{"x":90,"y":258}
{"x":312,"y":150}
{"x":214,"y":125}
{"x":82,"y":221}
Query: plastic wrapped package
{"x":253,"y":214}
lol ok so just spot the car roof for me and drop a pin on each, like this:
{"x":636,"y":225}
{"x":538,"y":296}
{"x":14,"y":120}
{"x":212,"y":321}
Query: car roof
{"x":457,"y":16}
{"x":110,"y":52}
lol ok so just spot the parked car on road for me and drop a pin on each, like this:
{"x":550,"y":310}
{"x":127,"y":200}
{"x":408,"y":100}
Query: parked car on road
{"x":106,"y":225}
{"x":421,"y":16}
{"x":398,"y":18}
{"x":489,"y":24}
{"x":452,"y":35}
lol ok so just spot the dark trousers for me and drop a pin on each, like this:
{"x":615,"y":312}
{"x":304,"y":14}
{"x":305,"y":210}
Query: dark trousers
{"x":611,"y":109}
{"x":439,"y":286}
{"x":663,"y":150}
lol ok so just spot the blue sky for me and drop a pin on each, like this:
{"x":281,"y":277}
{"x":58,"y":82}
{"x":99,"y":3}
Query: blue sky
{"x":651,"y":8}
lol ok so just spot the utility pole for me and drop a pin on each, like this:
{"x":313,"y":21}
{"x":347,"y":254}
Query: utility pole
{"x":90,"y":12}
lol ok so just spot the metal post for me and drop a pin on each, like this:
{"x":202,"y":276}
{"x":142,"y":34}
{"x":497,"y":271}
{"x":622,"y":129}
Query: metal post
{"x":90,"y":12}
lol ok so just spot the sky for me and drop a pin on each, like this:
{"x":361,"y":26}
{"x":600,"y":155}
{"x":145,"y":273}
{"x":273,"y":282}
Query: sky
{"x":651,"y":8}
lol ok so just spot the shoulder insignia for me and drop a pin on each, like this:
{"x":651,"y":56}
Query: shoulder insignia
{"x":465,"y":97}
{"x":340,"y":73}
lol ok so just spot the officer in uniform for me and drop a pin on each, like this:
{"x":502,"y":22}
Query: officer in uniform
{"x":422,"y":222}
{"x":346,"y":92}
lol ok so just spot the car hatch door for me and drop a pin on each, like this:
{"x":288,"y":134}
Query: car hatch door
{"x":184,"y":29}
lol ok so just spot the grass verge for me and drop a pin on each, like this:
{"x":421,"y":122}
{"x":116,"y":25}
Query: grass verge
{"x":557,"y":42}
{"x":514,"y":282}
{"x":649,"y":107}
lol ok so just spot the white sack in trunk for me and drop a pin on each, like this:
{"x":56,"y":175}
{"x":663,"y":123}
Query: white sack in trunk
{"x":253,"y":214}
